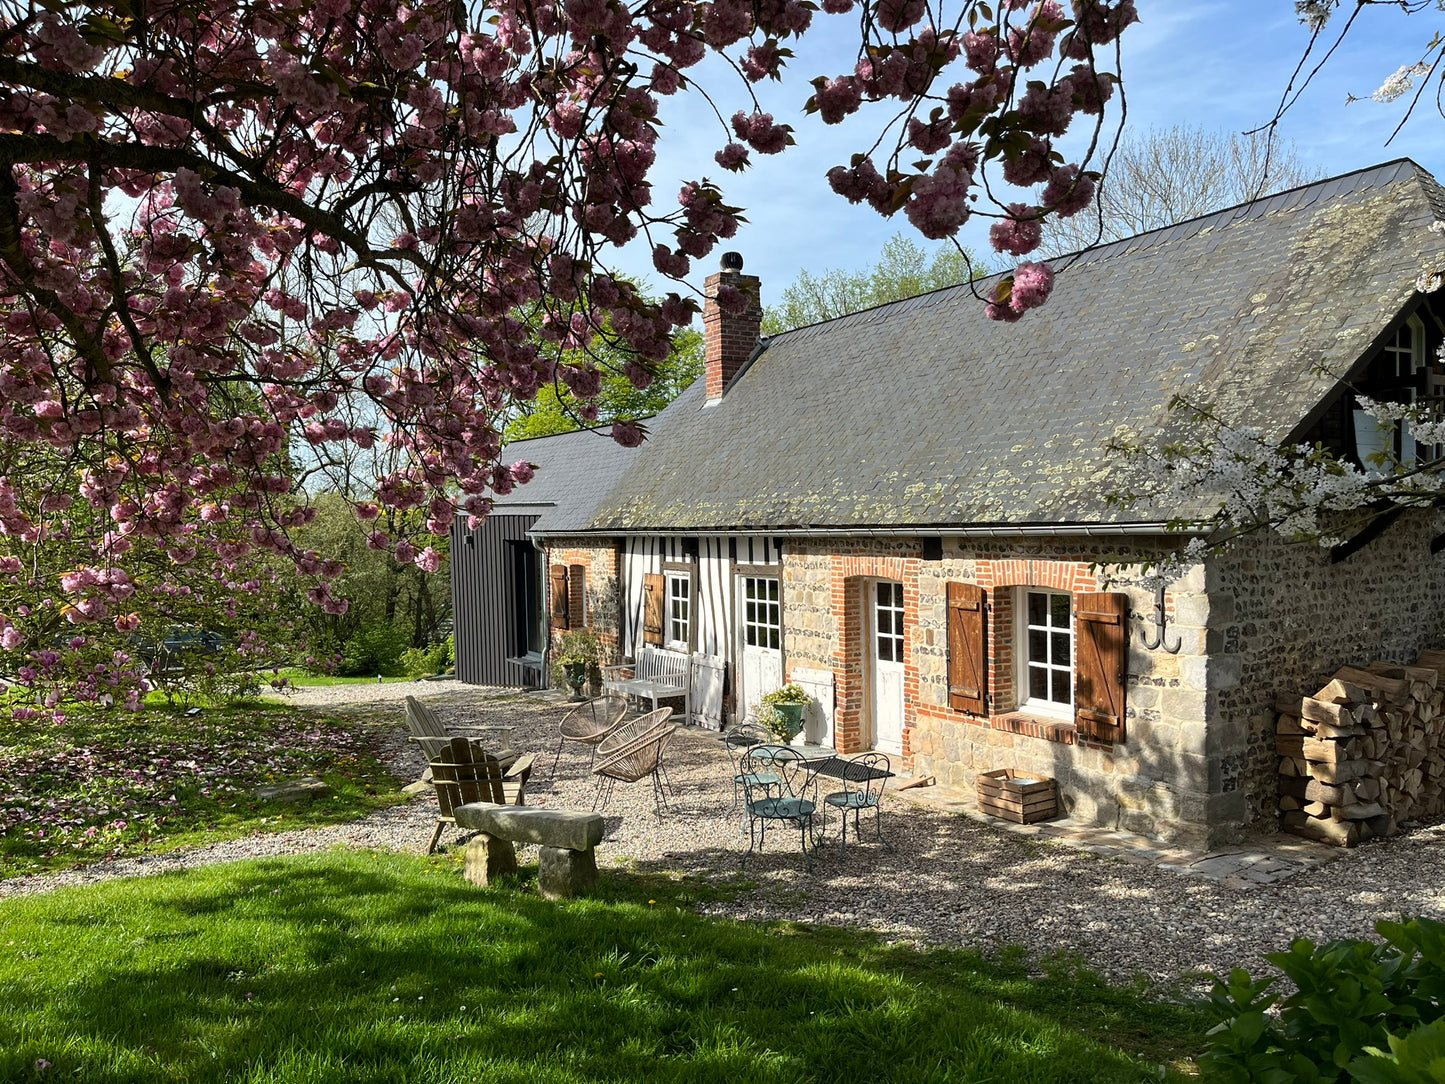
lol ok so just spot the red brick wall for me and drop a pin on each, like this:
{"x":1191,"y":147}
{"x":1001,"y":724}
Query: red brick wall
{"x":600,"y":604}
{"x":728,"y":340}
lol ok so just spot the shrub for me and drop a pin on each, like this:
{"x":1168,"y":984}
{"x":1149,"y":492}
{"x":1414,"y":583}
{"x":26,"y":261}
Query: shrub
{"x":577,"y":646}
{"x":375,"y":649}
{"x":1359,"y":1012}
{"x":420,"y":662}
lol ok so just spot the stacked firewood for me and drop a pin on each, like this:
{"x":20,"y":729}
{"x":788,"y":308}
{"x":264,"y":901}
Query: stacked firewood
{"x":1364,"y":753}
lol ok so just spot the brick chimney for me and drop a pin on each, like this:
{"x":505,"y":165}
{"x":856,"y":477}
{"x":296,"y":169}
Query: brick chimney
{"x":729,"y":340}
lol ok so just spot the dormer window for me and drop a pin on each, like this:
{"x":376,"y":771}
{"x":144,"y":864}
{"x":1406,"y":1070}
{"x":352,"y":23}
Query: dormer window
{"x":1399,"y":375}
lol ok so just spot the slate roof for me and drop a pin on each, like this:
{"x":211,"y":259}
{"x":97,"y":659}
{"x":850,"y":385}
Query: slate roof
{"x":574,"y":472}
{"x":925,"y":413}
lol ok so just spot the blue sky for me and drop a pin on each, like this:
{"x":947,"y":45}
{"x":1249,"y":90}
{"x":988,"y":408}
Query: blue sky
{"x":1222,"y":64}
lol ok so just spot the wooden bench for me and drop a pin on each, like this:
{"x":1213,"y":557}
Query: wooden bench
{"x":658,"y":674}
{"x":566,"y":838}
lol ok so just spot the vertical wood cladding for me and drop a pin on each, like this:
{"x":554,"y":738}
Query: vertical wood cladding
{"x":488,"y":599}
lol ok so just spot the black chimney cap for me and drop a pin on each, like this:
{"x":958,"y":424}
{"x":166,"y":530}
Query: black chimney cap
{"x":732,"y":261}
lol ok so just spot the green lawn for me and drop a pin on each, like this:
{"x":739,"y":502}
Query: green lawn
{"x":376,"y":967}
{"x":109,"y":783}
{"x":304,"y":679}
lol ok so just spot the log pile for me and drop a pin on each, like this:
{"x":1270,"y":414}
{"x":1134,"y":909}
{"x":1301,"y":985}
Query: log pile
{"x":1364,"y":753}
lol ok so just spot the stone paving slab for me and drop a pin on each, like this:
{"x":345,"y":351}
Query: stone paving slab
{"x":1262,"y":861}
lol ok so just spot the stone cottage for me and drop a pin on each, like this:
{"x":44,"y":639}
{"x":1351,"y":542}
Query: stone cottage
{"x":907,"y":509}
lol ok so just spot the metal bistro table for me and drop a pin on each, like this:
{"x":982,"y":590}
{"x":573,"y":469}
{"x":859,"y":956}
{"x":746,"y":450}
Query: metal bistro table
{"x":863,"y":779}
{"x":825,"y":761}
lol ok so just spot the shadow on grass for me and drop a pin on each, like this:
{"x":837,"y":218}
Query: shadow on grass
{"x":358,"y":966}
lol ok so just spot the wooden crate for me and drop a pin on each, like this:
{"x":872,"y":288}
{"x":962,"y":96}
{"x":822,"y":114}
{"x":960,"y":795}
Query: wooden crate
{"x":1017,"y":796}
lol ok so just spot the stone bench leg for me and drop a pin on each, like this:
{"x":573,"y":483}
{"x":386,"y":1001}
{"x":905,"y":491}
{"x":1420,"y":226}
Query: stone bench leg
{"x":562,"y":872}
{"x":488,"y":857}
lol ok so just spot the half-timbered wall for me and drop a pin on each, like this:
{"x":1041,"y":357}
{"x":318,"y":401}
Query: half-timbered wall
{"x":712,"y":561}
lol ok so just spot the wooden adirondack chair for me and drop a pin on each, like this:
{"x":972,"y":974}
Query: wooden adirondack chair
{"x":463,"y":772}
{"x":429,"y":732}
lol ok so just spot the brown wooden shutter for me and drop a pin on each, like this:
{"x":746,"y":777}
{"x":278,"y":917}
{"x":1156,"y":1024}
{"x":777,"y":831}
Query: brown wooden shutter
{"x":652,"y":605}
{"x":576,"y":596}
{"x":558,"y":596}
{"x":967,"y":648}
{"x":1101,"y":651}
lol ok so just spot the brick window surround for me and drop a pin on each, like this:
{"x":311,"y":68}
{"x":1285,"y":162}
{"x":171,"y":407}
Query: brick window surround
{"x":1002,"y":578}
{"x":849,"y":573}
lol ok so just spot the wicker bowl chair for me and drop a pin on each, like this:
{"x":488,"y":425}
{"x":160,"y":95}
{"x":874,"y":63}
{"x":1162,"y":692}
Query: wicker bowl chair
{"x":589,"y":723}
{"x":640,"y":758}
{"x":624,"y":734}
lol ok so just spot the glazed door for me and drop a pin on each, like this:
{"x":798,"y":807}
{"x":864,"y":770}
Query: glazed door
{"x":885,"y":609}
{"x":761,"y":628}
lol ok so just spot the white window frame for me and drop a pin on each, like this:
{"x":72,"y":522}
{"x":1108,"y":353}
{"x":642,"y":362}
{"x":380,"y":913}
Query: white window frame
{"x":677,"y":631}
{"x":894,"y":633}
{"x":1025,"y":663}
{"x":762,"y":616}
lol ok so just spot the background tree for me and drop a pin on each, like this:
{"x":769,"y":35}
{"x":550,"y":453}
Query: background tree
{"x":904,"y":269}
{"x":1162,"y":176}
{"x":392,"y":602}
{"x":556,"y":409}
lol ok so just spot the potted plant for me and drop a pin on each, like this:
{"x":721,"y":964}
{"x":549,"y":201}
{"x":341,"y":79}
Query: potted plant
{"x":782,"y":712}
{"x":578,"y":656}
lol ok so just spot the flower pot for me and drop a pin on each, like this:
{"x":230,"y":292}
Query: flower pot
{"x":576,"y":677}
{"x":790,"y":718}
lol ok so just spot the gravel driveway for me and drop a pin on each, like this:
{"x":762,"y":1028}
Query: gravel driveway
{"x":948,"y":880}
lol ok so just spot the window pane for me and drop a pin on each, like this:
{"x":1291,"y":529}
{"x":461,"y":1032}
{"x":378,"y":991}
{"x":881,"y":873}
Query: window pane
{"x":1059,"y":645}
{"x":1061,"y":687}
{"x":1038,"y":646}
{"x":772,"y":590}
{"x":1059,"y":610}
{"x":773,"y":640}
{"x":1038,"y":608}
{"x":885,"y":621}
{"x":885,"y":649}
{"x":1038,"y":683}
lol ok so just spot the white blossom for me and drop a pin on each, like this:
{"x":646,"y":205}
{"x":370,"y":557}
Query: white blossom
{"x":1401,"y":83}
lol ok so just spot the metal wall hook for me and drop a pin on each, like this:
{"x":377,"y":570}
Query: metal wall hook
{"x":1161,"y":624}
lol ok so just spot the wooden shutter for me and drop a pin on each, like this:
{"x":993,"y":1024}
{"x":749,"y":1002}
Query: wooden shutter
{"x":576,"y":596}
{"x":653,"y":590}
{"x":967,"y":648}
{"x":1101,"y":651}
{"x":557,"y":578}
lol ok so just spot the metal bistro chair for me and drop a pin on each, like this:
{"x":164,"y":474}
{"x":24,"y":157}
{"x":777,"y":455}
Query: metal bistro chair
{"x":785,"y":801}
{"x":737,"y":741}
{"x":590,"y":723}
{"x":863,"y":781}
{"x":638,"y":759}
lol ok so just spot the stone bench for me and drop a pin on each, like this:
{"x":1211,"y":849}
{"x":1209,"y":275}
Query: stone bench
{"x":566,"y":838}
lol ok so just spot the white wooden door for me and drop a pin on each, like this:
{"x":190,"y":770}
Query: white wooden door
{"x":886,"y":649}
{"x":761,"y":612}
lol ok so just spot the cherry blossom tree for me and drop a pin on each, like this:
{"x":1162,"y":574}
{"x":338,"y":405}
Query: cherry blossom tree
{"x":238,"y":237}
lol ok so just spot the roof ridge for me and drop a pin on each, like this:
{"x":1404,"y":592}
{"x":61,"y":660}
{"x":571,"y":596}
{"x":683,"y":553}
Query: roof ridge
{"x":1178,"y":231}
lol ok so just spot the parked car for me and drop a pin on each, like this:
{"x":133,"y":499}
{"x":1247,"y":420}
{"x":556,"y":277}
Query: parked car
{"x":179,"y":645}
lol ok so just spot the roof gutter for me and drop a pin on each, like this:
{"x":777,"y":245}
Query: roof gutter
{"x":1023,"y":530}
